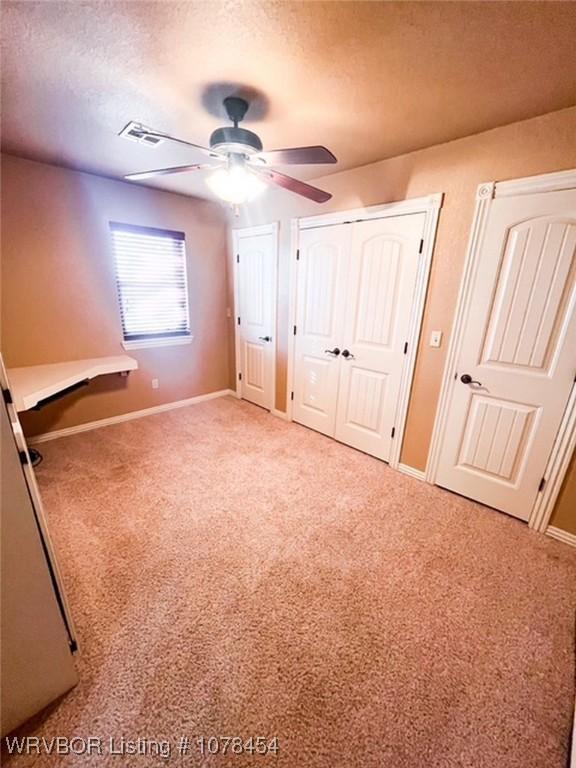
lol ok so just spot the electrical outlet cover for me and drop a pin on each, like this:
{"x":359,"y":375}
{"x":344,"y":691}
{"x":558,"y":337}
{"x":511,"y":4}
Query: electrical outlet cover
{"x":435,"y":338}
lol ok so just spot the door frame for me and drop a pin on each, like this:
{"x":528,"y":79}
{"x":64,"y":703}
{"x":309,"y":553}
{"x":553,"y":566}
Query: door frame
{"x":566,"y":438}
{"x":265,"y":229}
{"x":39,"y":512}
{"x":429,"y":205}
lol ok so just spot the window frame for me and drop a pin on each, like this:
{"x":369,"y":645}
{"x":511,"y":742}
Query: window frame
{"x":167,"y":339}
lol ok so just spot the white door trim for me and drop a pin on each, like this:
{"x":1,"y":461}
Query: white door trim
{"x":564,"y":447}
{"x":265,"y":229}
{"x":566,"y":438}
{"x":413,"y":205}
{"x":429,"y":205}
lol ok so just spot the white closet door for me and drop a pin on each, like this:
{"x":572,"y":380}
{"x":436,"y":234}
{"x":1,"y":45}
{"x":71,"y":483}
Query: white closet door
{"x":381,"y":285}
{"x":255,"y":273}
{"x":321,"y":293}
{"x":519,"y":350}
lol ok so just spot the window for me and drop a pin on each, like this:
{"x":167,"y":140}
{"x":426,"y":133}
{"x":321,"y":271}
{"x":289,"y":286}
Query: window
{"x":152,"y":286}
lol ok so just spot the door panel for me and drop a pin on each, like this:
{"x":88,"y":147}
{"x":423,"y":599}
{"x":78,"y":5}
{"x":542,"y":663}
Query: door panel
{"x":254,"y":367}
{"x":379,"y":267}
{"x":321,"y":293}
{"x":255,"y":270}
{"x":482,"y":449}
{"x":519,"y":342}
{"x":366,"y":399}
{"x":531,"y":292}
{"x":36,"y":628}
{"x":381,"y":285}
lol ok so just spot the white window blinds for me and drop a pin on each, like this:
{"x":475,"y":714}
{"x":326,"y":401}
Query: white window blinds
{"x":151,"y":281}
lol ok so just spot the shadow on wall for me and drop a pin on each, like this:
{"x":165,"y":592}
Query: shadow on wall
{"x":214,"y":94}
{"x":377,"y":188}
{"x":35,"y":422}
{"x":59,"y":297}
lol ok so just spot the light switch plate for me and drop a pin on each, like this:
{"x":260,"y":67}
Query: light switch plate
{"x":435,"y":338}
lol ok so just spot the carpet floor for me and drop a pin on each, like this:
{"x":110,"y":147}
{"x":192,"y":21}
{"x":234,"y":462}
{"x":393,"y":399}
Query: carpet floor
{"x":232,"y":574}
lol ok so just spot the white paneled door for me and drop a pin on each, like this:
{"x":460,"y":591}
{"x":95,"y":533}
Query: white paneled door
{"x":324,"y":255}
{"x":380,"y":289}
{"x":256,"y":255}
{"x":356,"y":284}
{"x":517,"y":361}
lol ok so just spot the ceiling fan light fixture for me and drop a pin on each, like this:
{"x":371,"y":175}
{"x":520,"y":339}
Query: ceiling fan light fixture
{"x":235,"y":185}
{"x":249,"y":170}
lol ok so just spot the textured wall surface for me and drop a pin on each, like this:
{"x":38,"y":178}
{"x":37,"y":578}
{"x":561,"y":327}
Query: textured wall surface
{"x":59,"y":297}
{"x":541,"y":145}
{"x":565,"y":512}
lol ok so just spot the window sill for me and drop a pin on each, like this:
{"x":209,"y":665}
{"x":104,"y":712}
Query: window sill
{"x":167,"y":342}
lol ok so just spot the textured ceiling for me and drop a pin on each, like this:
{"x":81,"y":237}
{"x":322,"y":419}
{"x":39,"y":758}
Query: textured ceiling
{"x":367,"y":79}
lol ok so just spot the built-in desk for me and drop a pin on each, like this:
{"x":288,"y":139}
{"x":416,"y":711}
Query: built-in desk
{"x":31,"y":385}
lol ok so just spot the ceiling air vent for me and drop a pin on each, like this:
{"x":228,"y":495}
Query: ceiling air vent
{"x":133,"y":132}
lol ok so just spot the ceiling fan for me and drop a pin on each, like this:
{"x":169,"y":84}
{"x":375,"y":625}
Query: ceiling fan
{"x":242,"y":168}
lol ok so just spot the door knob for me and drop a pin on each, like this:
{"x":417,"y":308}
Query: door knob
{"x":265,"y":338}
{"x":347,"y":355}
{"x":334,"y":351}
{"x":467,"y":379}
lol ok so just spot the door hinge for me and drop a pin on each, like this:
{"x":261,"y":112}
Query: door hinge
{"x":239,"y":377}
{"x":6,"y":394}
{"x":237,"y":258}
{"x":23,"y":457}
{"x":291,"y":395}
{"x":298,"y":254}
{"x":238,"y":321}
{"x":421,"y":246}
{"x":393,"y":432}
{"x":405,"y":347}
{"x":294,"y":330}
{"x":542,"y":484}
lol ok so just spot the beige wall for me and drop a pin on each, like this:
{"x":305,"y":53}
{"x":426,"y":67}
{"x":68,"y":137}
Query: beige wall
{"x":531,"y":147}
{"x":59,"y":293}
{"x":564,"y":515}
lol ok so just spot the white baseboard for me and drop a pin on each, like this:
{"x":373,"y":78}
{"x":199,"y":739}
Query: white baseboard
{"x":558,"y":533}
{"x":417,"y":473}
{"x":127,"y":416}
{"x":280,"y":414}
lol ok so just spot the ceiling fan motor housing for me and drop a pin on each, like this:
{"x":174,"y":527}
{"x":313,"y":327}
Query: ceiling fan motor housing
{"x":239,"y":147}
{"x":234,"y":139}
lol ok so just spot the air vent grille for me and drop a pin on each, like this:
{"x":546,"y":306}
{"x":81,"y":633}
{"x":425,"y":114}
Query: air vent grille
{"x":134,"y":132}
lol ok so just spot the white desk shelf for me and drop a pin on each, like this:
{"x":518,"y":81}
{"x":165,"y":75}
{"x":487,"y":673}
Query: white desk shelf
{"x":33,"y":383}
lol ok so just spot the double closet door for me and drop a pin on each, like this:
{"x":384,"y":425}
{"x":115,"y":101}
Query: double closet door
{"x":355,"y":288}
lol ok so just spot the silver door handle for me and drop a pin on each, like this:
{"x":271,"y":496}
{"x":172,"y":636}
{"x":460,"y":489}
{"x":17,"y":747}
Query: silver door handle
{"x":347,"y":355}
{"x":265,"y":338}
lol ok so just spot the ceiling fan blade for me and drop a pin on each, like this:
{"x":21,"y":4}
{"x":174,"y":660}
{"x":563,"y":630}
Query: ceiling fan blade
{"x":293,"y":185}
{"x":156,"y":135}
{"x":166,"y":171}
{"x":298,"y":156}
